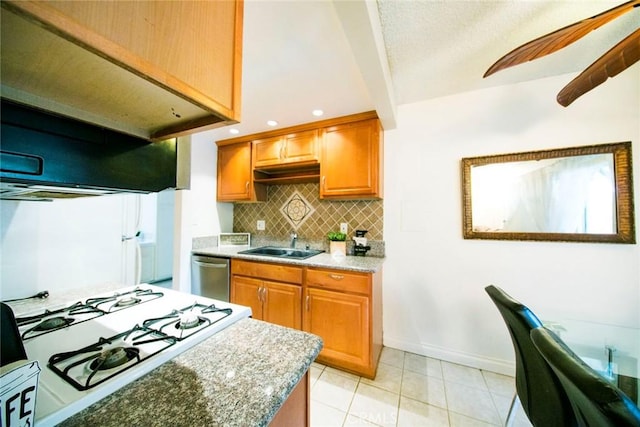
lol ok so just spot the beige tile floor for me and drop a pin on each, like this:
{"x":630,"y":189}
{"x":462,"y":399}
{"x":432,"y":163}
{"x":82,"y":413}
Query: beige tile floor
{"x":411,"y":390}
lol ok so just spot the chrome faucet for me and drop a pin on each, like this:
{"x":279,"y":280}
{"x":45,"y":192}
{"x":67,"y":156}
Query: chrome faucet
{"x":294,"y":237}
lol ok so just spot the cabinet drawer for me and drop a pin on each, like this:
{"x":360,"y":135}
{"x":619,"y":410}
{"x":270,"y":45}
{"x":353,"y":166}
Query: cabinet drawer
{"x":277,"y":272}
{"x":339,"y":280}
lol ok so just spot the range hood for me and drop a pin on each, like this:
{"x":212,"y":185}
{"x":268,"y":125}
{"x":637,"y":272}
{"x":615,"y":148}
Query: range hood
{"x":45,"y":156}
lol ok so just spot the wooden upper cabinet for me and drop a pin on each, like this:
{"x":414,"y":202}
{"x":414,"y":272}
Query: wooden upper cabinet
{"x":268,"y":151}
{"x":344,"y":154}
{"x":351,"y":161}
{"x":299,"y":149}
{"x":235,"y":175}
{"x":155,"y":69}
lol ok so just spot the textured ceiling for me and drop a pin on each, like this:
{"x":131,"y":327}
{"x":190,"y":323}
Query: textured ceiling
{"x":349,"y":56}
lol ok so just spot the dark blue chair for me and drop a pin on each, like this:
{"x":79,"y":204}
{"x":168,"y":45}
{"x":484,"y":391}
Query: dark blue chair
{"x":537,"y":388}
{"x":595,"y":401}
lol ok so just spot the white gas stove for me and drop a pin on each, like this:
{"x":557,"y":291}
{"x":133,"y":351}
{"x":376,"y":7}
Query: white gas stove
{"x":89,"y":349}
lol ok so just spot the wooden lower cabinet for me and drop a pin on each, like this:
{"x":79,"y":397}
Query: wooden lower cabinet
{"x":345,"y":309}
{"x":296,"y":410}
{"x":271,"y":301}
{"x":342,"y":320}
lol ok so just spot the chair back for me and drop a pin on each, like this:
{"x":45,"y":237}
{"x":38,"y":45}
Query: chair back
{"x":11,"y":347}
{"x":595,"y":401}
{"x":539,"y":390}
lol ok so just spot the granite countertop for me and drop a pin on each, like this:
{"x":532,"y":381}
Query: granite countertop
{"x":323,"y":260}
{"x":239,"y":377}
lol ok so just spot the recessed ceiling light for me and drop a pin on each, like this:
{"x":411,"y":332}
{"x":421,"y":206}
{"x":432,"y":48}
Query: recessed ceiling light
{"x":234,"y":131}
{"x":272,"y":123}
{"x":317,"y":113}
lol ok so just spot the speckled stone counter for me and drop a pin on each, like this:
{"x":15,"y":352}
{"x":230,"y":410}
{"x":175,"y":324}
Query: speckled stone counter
{"x":239,"y":377}
{"x":323,"y":260}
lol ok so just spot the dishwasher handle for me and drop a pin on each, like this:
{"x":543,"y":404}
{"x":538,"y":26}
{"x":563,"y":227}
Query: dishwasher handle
{"x":209,"y":265}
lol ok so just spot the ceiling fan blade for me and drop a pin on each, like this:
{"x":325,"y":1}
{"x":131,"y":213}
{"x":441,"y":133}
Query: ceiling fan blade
{"x":558,"y":39}
{"x":616,"y":60}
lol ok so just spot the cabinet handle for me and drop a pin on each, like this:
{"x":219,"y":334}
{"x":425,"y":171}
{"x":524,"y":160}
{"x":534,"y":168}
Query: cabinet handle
{"x":260,"y":294}
{"x":323,"y":179}
{"x":336,"y":276}
{"x":246,"y":186}
{"x":307,"y":303}
{"x":264,"y":294}
{"x":282,"y":150}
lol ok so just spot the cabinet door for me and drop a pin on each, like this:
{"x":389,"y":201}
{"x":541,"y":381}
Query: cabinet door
{"x":342,"y":320}
{"x":283,"y":304}
{"x":285,"y":150}
{"x":235,"y":181}
{"x":350,"y":162}
{"x":301,"y":147}
{"x":267,"y":151}
{"x":247,"y":291}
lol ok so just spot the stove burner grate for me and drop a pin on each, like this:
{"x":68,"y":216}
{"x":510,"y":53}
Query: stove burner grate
{"x":74,"y":309}
{"x":119,"y":301}
{"x":108,"y":357}
{"x":53,"y":323}
{"x":48,"y":325}
{"x":52,"y":320}
{"x":188,"y":320}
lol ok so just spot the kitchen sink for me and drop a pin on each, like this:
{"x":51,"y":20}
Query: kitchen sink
{"x":276,"y":252}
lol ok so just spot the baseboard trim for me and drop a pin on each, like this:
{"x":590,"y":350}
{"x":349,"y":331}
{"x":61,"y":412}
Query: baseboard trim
{"x":504,"y":367}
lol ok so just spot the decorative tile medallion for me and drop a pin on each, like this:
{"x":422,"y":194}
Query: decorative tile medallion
{"x":297,"y":209}
{"x":327,"y":215}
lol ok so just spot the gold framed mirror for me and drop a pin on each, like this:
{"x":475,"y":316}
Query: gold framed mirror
{"x":577,"y":194}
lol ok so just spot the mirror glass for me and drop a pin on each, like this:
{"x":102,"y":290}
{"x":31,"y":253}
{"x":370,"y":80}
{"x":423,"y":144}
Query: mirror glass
{"x":573,"y":194}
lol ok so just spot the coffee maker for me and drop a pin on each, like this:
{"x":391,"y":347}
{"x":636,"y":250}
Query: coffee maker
{"x":360,"y":247}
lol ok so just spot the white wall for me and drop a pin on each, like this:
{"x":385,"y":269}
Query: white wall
{"x":208,"y":217}
{"x":197,"y":213}
{"x":434,"y":299}
{"x":62,"y":244}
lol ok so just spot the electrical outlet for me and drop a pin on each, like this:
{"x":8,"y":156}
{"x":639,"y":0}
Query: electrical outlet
{"x":260,"y":225}
{"x":344,"y":227}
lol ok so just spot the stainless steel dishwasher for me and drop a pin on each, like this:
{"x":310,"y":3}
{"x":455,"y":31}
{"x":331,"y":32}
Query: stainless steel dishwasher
{"x":210,"y":277}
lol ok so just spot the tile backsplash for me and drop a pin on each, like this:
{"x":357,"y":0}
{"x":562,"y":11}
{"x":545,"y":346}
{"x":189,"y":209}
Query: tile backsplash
{"x":298,"y":208}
